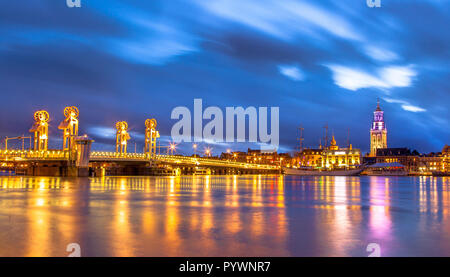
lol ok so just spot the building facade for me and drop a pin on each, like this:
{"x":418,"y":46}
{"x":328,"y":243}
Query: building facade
{"x":332,"y":157}
{"x":336,"y":157}
{"x":310,"y":158}
{"x":415,"y":163}
{"x":446,"y":159}
{"x":378,"y":132}
{"x":259,"y":157}
{"x":403,"y":156}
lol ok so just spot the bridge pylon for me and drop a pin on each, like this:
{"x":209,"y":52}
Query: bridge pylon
{"x":122,"y":137}
{"x":40,"y":130}
{"x":69,"y":127}
{"x":151,"y":134}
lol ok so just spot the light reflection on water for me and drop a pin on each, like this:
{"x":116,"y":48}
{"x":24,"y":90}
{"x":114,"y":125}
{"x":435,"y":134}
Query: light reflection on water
{"x":225,"y":216}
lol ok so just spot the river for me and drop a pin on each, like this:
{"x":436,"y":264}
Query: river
{"x":225,"y":216}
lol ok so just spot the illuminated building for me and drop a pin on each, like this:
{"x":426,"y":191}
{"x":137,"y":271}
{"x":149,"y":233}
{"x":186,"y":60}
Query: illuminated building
{"x":150,"y":137}
{"x":434,"y":162}
{"x":430,"y":163}
{"x":310,"y":158}
{"x":256,"y":156}
{"x":237,"y":156}
{"x":446,"y":159}
{"x":69,"y":127}
{"x":404,"y":156}
{"x":40,"y":130}
{"x":261,"y":157}
{"x":336,"y":157}
{"x":122,"y":137}
{"x":414,"y":162}
{"x":331,"y":157}
{"x":393,"y":155}
{"x":378,"y":132}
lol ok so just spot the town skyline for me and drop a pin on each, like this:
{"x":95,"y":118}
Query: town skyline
{"x":149,"y":58}
{"x":137,"y":140}
{"x":245,"y":130}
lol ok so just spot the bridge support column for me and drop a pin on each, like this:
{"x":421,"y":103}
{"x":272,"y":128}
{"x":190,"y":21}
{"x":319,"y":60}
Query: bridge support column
{"x":82,"y":159}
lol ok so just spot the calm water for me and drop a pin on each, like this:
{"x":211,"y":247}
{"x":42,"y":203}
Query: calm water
{"x":225,"y":216}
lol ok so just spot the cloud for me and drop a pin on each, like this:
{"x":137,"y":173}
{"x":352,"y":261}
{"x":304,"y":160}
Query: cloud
{"x":282,"y":19}
{"x":321,"y":18}
{"x":102,"y":132}
{"x":380,"y":54}
{"x":405,"y":105}
{"x":156,"y":51}
{"x":386,"y":77}
{"x":353,"y":79}
{"x":292,"y":72}
{"x":411,"y":108}
{"x":397,"y":76}
{"x":153,"y":42}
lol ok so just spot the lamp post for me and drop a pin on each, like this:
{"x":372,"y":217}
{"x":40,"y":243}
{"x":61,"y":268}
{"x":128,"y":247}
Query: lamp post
{"x":195,"y":149}
{"x":281,"y":159}
{"x":172,"y":148}
{"x":208,"y":152}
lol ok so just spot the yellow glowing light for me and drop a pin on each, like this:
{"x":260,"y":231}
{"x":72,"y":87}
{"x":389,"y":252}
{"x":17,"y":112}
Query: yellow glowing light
{"x":122,"y":137}
{"x":40,"y":130}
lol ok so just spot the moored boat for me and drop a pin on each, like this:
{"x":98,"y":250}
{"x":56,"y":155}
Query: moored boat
{"x":310,"y":172}
{"x":386,"y":169}
{"x":440,"y":173}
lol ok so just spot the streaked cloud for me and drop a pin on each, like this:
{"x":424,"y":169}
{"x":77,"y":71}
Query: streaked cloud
{"x":156,"y":51}
{"x":411,"y":108}
{"x":397,"y":76}
{"x":292,"y":72}
{"x":405,"y":105}
{"x":153,"y":41}
{"x":380,"y":54}
{"x":102,"y":132}
{"x":283,"y":19}
{"x":354,"y":79}
{"x":385,"y":77}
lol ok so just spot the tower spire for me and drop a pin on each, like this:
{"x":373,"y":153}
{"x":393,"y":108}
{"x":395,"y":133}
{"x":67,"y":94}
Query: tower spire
{"x":378,"y":132}
{"x":378,"y":104}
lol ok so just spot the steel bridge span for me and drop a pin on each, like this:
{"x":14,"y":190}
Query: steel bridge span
{"x":67,"y":163}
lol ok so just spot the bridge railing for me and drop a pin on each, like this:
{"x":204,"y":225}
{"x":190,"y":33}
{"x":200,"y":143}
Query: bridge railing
{"x":212,"y":162}
{"x":35,"y":155}
{"x":115,"y":155}
{"x":10,"y":155}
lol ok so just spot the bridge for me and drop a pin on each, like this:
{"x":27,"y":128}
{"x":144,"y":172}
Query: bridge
{"x":62,"y":163}
{"x":76,"y":158}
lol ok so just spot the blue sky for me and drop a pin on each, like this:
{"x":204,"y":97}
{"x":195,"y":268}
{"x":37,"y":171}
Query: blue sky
{"x":321,"y":62}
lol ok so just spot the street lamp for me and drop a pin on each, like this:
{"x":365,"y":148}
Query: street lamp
{"x":195,"y":149}
{"x":172,"y":148}
{"x":208,"y":152}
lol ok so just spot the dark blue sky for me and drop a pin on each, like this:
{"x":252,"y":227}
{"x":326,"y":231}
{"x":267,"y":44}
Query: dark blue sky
{"x":319,"y":61}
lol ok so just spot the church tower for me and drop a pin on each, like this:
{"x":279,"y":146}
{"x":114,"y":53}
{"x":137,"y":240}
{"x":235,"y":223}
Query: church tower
{"x":378,"y":132}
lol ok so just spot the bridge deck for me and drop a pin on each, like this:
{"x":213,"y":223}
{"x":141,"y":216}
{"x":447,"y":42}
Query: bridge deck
{"x":59,"y":155}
